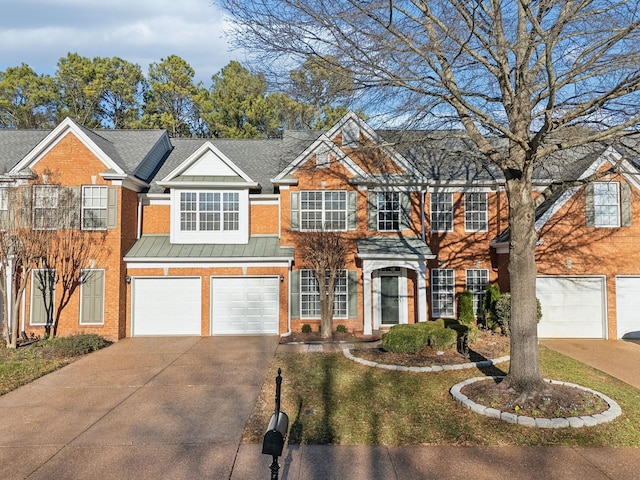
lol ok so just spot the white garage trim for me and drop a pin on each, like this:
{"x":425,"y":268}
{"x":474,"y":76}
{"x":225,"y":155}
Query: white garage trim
{"x":166,"y":306}
{"x":245,"y":305}
{"x":628,"y":306}
{"x":572,"y":306}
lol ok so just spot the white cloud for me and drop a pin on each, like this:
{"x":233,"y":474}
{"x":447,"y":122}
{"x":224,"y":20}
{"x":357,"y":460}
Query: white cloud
{"x":40,"y":32}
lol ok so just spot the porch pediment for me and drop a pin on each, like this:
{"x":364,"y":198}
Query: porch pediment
{"x":394,"y":248}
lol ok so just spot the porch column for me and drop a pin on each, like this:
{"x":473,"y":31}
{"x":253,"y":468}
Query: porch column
{"x":422,"y":292}
{"x":368,"y":318}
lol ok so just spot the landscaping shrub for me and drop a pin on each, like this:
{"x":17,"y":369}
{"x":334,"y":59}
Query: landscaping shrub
{"x":406,"y":338}
{"x":74,"y":345}
{"x":443,"y":338}
{"x":306,"y":328}
{"x":491,"y":295}
{"x":341,"y":329}
{"x":466,"y":315}
{"x":416,"y":337}
{"x":503,"y":312}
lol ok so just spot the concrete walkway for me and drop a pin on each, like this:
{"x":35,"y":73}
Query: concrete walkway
{"x":175,"y":408}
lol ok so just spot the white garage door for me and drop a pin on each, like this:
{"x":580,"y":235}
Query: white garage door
{"x":166,"y":306}
{"x":628,"y":306}
{"x":245,"y":305}
{"x":572,"y":307}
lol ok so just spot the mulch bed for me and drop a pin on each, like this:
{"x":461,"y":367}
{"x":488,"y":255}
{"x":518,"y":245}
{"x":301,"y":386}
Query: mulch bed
{"x":488,"y":346}
{"x":557,"y":401}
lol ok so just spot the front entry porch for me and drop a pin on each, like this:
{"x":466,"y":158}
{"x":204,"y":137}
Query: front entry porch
{"x":394,"y":278}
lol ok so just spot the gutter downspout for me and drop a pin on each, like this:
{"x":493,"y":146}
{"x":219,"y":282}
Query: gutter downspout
{"x":422,"y":225}
{"x":288,"y":332}
{"x":139,"y":226}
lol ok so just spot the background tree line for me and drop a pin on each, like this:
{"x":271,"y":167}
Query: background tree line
{"x":114,"y":93}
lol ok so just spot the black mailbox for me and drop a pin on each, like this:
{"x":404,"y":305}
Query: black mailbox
{"x":273,"y":442}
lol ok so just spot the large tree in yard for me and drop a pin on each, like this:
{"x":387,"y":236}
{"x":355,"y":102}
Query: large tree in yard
{"x":520,"y":76}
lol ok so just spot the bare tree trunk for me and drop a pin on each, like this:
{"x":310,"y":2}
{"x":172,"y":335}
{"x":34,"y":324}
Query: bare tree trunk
{"x":524,"y":372}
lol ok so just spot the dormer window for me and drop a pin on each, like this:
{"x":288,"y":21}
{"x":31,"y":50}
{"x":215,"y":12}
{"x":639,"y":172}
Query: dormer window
{"x":210,"y":216}
{"x":209,"y":211}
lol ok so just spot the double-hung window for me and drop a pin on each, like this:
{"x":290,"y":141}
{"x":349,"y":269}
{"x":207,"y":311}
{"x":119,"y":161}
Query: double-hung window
{"x":606,"y":203}
{"x":443,"y":295}
{"x":4,"y":199}
{"x":442,"y":212}
{"x":320,"y":210}
{"x":209,"y":211}
{"x":310,"y":294}
{"x":94,"y":207}
{"x":475,"y":212}
{"x":477,"y":279}
{"x":389,"y":211}
{"x":45,"y":207}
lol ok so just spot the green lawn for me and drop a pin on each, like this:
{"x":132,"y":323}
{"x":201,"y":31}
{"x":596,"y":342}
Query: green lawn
{"x":23,"y":365}
{"x":332,"y":400}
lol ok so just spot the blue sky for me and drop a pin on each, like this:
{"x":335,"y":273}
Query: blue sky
{"x":39,"y":32}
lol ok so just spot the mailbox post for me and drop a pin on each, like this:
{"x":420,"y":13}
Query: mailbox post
{"x":273,"y":442}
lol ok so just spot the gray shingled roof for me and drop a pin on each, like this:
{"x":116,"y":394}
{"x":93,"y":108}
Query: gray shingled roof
{"x":127,"y":148}
{"x":393,"y":247}
{"x":158,"y":247}
{"x":261,"y":159}
{"x":16,"y":144}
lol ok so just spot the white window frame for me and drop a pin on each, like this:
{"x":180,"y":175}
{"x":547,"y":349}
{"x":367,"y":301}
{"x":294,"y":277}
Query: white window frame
{"x":389,"y":216}
{"x":476,"y":211}
{"x":477,"y":280}
{"x":45,"y":207}
{"x":310,"y":295}
{"x":212,"y":216}
{"x":606,"y":204}
{"x":4,"y":199}
{"x":443,"y":293}
{"x":94,"y":207}
{"x":82,"y":285}
{"x":442,"y":212}
{"x":316,"y":214}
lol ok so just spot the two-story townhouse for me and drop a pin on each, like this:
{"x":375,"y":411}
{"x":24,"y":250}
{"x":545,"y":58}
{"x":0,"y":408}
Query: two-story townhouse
{"x":104,"y":170}
{"x":206,"y":230}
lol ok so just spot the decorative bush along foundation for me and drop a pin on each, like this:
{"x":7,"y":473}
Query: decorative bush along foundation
{"x":608,"y":415}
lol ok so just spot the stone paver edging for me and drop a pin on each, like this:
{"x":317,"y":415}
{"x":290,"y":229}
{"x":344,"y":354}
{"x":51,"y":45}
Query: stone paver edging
{"x":574,"y":422}
{"x":435,"y":368}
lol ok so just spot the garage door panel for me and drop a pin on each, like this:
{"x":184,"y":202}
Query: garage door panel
{"x":628,"y":307}
{"x":166,"y":306}
{"x":572,"y":307}
{"x":245,"y":305}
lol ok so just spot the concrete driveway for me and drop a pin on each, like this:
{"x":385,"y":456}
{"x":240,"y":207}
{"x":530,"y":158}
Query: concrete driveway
{"x":143,"y":408}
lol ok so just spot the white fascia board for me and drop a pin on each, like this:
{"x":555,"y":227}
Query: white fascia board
{"x":393,"y":256}
{"x":155,"y":198}
{"x":194,"y":157}
{"x":207,"y":185}
{"x":609,"y":155}
{"x":203,"y":262}
{"x":127,"y":181}
{"x":555,"y":208}
{"x":284,"y":182}
{"x":322,"y":140}
{"x":54,"y":137}
{"x":258,"y":199}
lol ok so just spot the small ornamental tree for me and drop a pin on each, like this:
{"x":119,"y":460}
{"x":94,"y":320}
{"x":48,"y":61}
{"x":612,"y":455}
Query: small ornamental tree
{"x":324,"y":252}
